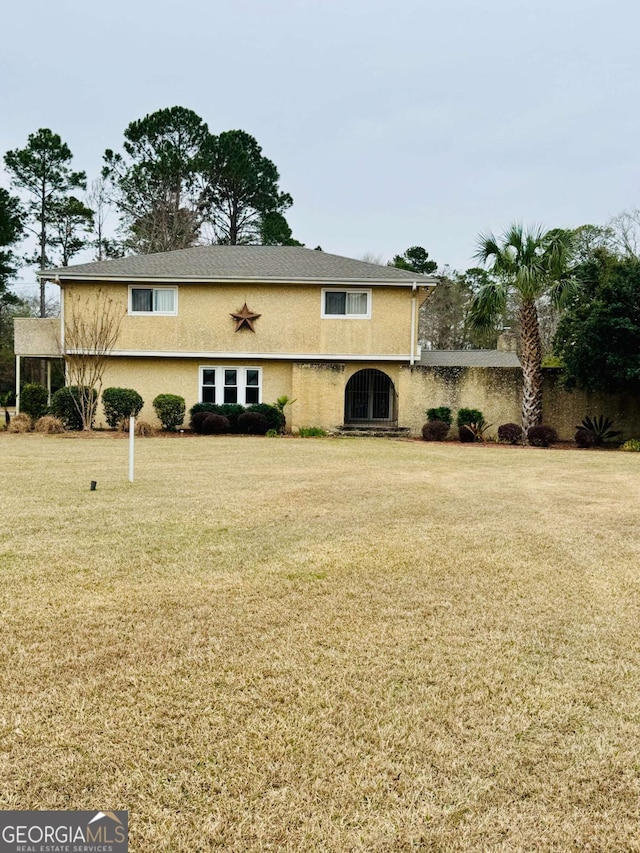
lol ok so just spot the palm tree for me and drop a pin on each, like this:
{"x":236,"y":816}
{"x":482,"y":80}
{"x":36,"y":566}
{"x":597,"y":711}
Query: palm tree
{"x":530,"y":264}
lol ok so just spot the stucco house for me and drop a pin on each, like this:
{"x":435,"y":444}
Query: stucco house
{"x":249,"y":324}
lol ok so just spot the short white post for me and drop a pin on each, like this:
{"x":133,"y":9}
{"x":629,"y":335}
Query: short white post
{"x":132,"y":432}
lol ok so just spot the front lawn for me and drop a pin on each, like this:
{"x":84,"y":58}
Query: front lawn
{"x":323,"y":644}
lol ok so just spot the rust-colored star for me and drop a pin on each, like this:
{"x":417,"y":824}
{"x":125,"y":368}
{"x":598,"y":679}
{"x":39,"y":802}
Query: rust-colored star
{"x":245,"y":317}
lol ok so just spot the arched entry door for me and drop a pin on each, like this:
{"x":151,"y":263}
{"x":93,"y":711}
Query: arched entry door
{"x":369,"y":398}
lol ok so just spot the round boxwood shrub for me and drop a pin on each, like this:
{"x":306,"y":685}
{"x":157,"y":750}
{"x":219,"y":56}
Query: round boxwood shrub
{"x":510,"y":433}
{"x":65,"y":404}
{"x":120,"y":404}
{"x":231,"y":411}
{"x":34,"y":400}
{"x":435,"y":430}
{"x":253,"y":423}
{"x":584,"y":438}
{"x":274,"y":416}
{"x":541,"y":436}
{"x":213,"y":424}
{"x":440,"y":413}
{"x":170,"y":409}
{"x":197,"y":420}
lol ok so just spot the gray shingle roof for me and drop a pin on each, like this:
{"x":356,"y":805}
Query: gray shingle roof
{"x":468,"y":358}
{"x":240,"y":263}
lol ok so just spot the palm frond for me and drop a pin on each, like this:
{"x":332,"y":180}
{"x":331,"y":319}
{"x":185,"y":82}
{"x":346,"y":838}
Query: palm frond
{"x":487,"y":248}
{"x":563,"y":290}
{"x":488,"y":305}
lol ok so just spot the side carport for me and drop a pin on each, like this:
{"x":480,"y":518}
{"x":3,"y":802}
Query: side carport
{"x":36,"y":337}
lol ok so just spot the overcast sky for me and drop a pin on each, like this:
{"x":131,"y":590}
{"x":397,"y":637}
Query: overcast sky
{"x":391,"y":123}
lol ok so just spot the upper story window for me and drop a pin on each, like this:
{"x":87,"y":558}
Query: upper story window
{"x":351,"y":304}
{"x":153,"y":300}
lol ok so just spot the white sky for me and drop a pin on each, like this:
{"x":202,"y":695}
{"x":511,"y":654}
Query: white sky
{"x":391,"y":123}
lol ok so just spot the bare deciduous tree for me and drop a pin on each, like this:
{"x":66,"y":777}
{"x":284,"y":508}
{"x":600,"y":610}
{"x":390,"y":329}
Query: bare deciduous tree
{"x":625,"y":232}
{"x":91,"y":329}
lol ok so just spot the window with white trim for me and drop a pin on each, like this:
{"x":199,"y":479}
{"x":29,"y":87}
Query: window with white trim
{"x":153,"y":300}
{"x":350,"y":304}
{"x":241,"y":385}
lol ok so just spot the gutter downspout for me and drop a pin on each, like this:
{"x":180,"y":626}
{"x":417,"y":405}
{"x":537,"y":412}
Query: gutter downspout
{"x":57,"y":281}
{"x":412,"y":355}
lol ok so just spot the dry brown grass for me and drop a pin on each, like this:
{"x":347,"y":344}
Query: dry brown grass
{"x":49,"y":425}
{"x":323,"y":645}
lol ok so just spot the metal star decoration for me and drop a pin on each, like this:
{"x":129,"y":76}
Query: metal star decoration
{"x":245,"y":317}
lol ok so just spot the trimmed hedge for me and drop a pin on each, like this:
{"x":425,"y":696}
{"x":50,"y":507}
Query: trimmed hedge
{"x":440,"y":413}
{"x":232,"y":411}
{"x":435,"y":430}
{"x":510,"y":433}
{"x":34,"y":400}
{"x":65,"y":404}
{"x":253,"y":423}
{"x":213,"y":424}
{"x":542,"y":435}
{"x":170,"y":409}
{"x":584,"y":438}
{"x":274,"y":417}
{"x":120,"y":404}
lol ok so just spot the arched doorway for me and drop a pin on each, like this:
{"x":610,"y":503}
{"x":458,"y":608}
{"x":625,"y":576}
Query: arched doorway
{"x":370,"y":398}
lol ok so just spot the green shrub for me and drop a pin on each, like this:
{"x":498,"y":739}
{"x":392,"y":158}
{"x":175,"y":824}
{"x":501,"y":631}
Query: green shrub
{"x":440,"y":413}
{"x":231,"y":411}
{"x":510,"y":433}
{"x":311,"y":432}
{"x":469,"y":416}
{"x":65,"y":404}
{"x":584,"y":438}
{"x":435,"y":430}
{"x":34,"y":400}
{"x":465,"y":417}
{"x":541,"y":436}
{"x":197,"y":420}
{"x":633,"y":445}
{"x":273,"y":433}
{"x":120,"y":404}
{"x":213,"y":424}
{"x":253,"y":423}
{"x":273,"y":415}
{"x":600,"y":429}
{"x":170,"y":409}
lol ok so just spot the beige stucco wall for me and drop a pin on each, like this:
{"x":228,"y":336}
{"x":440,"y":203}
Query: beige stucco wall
{"x":36,"y":336}
{"x":495,"y":391}
{"x":153,"y":376}
{"x":290,"y":321}
{"x":318,"y":389}
{"x":565,"y":409}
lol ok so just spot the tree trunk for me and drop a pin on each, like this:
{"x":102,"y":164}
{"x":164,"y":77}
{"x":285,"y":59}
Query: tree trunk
{"x":531,"y":365}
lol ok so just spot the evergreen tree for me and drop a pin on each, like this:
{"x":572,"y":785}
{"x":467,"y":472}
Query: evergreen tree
{"x":42,"y":171}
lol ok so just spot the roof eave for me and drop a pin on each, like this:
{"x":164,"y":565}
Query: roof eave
{"x":59,"y":277}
